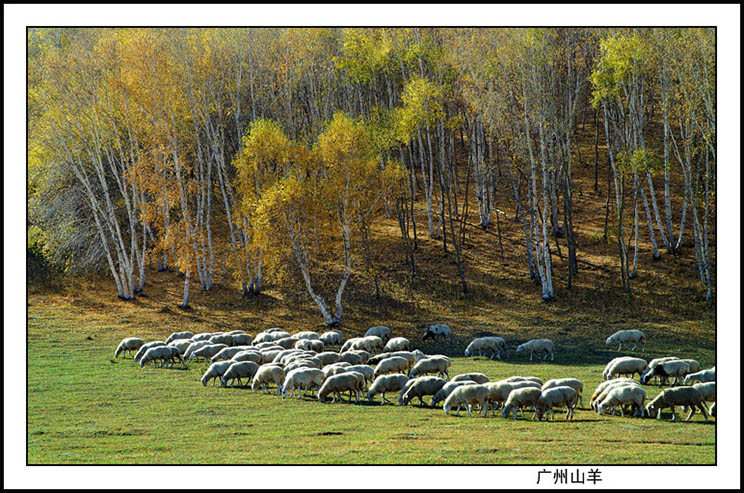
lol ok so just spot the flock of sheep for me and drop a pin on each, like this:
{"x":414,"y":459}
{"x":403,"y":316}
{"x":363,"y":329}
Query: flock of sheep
{"x":380,"y":364}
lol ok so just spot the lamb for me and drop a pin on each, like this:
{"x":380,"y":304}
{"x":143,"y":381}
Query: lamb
{"x":519,"y":399}
{"x":674,"y":368}
{"x":520,"y":379}
{"x":302,"y":379}
{"x":181,"y":344}
{"x":575,"y":384}
{"x":494,"y":344}
{"x":328,"y":357}
{"x":624,"y":394}
{"x":307,"y":334}
{"x":467,"y":395}
{"x":626,"y":366}
{"x":128,"y":345}
{"x":239,"y":370}
{"x":266,"y":375}
{"x":348,"y":381}
{"x":143,"y":349}
{"x":434,"y":364}
{"x":397,"y":344}
{"x":179,"y":335}
{"x":228,"y":353}
{"x":627,"y":337}
{"x":222,"y":339}
{"x":679,"y":396}
{"x":395,"y":364}
{"x":310,"y":345}
{"x":207,"y":352}
{"x":248,"y":356}
{"x":380,"y":331}
{"x":446,"y":389}
{"x":215,"y":371}
{"x":437,"y":331}
{"x":474,"y":376}
{"x":607,"y":383}
{"x":498,"y":392}
{"x":703,"y":376}
{"x":386,"y":383}
{"x":331,"y":338}
{"x":419,"y":387}
{"x":554,"y":397}
{"x":536,"y":346}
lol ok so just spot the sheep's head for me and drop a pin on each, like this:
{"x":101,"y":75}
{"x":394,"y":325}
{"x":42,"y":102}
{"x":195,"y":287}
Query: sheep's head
{"x":467,"y":352}
{"x":651,"y":411}
{"x":610,"y":340}
{"x":520,"y":348}
{"x":447,"y":408}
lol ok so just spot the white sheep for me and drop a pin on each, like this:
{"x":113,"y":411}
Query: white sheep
{"x":207,"y":351}
{"x":347,"y":344}
{"x":494,"y":344}
{"x":621,"y":395}
{"x":143,"y":349}
{"x":228,"y":353}
{"x":363,"y":355}
{"x":609,"y":388}
{"x":520,"y":379}
{"x":498,"y":392}
{"x":420,"y":387}
{"x":222,"y":339}
{"x":202,"y":336}
{"x":519,"y":399}
{"x":273,"y":330}
{"x":445,"y":390}
{"x":433,"y":364}
{"x":693,"y":364}
{"x":556,"y":397}
{"x":272,"y":336}
{"x":437,"y":331}
{"x":268,"y":355}
{"x":215,"y":371}
{"x":418,"y":355}
{"x":702,"y":376}
{"x":602,"y":386}
{"x":331,"y":338}
{"x":351,"y":358}
{"x":375,"y":360}
{"x":626,"y":366}
{"x":328,"y":357}
{"x":474,"y":376}
{"x":371,"y":344}
{"x":239,"y":370}
{"x":575,"y":384}
{"x":352,"y":382}
{"x":397,"y":344}
{"x":179,"y":335}
{"x":335,"y":369}
{"x":381,"y":331}
{"x":308,"y":334}
{"x":194,"y":346}
{"x":386,"y":383}
{"x":657,"y":361}
{"x":181,"y":344}
{"x":366,"y":370}
{"x":679,"y":396}
{"x":467,"y":395}
{"x":675,"y":368}
{"x":128,"y":345}
{"x":395,"y":364}
{"x":310,"y":345}
{"x":627,"y":337}
{"x":266,"y":375}
{"x":248,"y":355}
{"x":157,"y":353}
{"x":536,"y":346}
{"x":708,"y":389}
{"x":302,"y":379}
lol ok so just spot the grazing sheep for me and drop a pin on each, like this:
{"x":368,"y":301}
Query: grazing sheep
{"x":215,"y":371}
{"x":308,"y":334}
{"x":419,"y":387}
{"x":143,"y":349}
{"x":609,"y":388}
{"x":397,"y":344}
{"x":266,"y":375}
{"x":386,"y":383}
{"x":474,"y":376}
{"x":202,"y":336}
{"x":621,"y":395}
{"x":273,"y":330}
{"x":128,"y":345}
{"x":347,"y":344}
{"x":287,"y":342}
{"x":494,"y":344}
{"x":395,"y":364}
{"x":536,"y":346}
{"x":467,"y":395}
{"x":521,"y":379}
{"x":268,"y":355}
{"x":364,"y":355}
{"x":194,"y":346}
{"x":303,"y":363}
{"x":627,"y":337}
{"x":555,"y":397}
{"x":175,"y":355}
{"x":181,"y":344}
{"x":437,"y":331}
{"x":703,"y":376}
{"x":335,"y":369}
{"x":366,"y":370}
{"x":655,"y":362}
{"x":228,"y":353}
{"x":708,"y":390}
{"x":222,"y":339}
{"x":351,"y":358}
{"x":157,"y":353}
{"x":575,"y":384}
{"x":626,"y":366}
{"x":602,"y":386}
{"x":433,"y":364}
{"x":693,"y":364}
{"x":207,"y":351}
{"x":239,"y":370}
{"x":518,"y":399}
{"x":675,"y":368}
{"x":352,"y":382}
{"x":380,"y":331}
{"x":328,"y":357}
{"x":331,"y":338}
{"x":609,"y":364}
{"x":498,"y":392}
{"x":446,"y":390}
{"x":678,"y":396}
{"x":310,"y":345}
{"x":302,"y":379}
{"x":242,"y":339}
{"x":179,"y":335}
{"x":284,"y":355}
{"x":272,"y":336}
{"x":371,"y":344}
{"x":418,"y":355}
{"x":375,"y":360}
{"x":248,"y":356}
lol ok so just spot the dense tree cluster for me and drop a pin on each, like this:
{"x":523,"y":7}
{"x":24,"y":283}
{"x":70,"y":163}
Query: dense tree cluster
{"x":145,"y":143}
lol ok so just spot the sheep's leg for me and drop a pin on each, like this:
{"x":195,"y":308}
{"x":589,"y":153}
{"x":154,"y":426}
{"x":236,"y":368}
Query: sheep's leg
{"x":702,"y":410}
{"x":531,"y":353}
{"x":469,"y":407}
{"x":692,"y":411}
{"x":673,"y":414}
{"x":634,"y":346}
{"x":620,"y":346}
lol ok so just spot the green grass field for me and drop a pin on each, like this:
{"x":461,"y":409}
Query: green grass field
{"x":84,"y":407}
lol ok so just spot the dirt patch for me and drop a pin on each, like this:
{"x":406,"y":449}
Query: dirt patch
{"x":327,"y":433}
